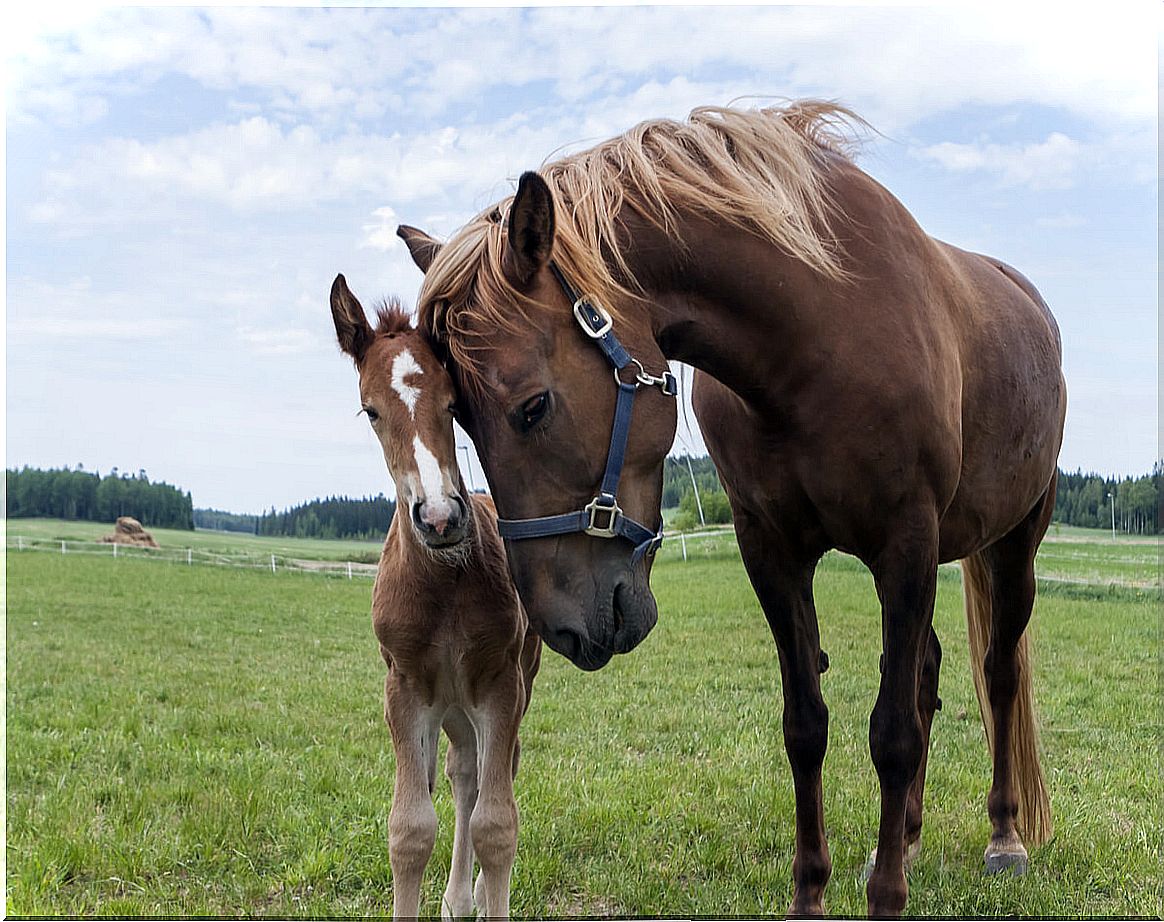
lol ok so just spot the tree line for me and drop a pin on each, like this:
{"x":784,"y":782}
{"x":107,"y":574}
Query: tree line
{"x":334,"y":517}
{"x":80,"y":494}
{"x":1092,"y":501}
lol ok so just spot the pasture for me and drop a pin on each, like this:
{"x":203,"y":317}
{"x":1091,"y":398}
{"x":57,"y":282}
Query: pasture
{"x":197,"y":740}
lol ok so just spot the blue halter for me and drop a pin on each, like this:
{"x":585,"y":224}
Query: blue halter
{"x":602,"y":517}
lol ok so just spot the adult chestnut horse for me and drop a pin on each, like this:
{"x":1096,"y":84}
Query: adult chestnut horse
{"x":865,"y":387}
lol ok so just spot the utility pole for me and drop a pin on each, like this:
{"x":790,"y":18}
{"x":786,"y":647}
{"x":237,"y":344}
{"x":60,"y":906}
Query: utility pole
{"x":468,"y":467}
{"x":695,"y":487}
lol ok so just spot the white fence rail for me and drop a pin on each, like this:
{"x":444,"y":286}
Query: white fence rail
{"x":190,"y":556}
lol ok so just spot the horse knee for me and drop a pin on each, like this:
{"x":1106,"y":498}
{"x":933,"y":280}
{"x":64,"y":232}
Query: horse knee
{"x":897,"y":745}
{"x":411,"y":835}
{"x":806,"y":733}
{"x":1002,"y":676}
{"x":493,"y":829}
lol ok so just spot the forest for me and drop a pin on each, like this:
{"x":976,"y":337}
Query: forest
{"x":334,"y":517}
{"x":80,"y":494}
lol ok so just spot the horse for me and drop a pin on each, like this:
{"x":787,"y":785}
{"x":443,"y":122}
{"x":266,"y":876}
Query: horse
{"x":452,"y":631}
{"x":861,"y":386}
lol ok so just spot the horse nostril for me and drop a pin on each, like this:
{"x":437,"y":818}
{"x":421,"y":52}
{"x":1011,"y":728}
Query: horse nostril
{"x":417,"y":520}
{"x":458,"y":511}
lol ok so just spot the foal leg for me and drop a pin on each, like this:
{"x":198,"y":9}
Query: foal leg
{"x":906,"y":578}
{"x":1011,"y":562}
{"x":412,"y":822}
{"x":785,"y":594}
{"x":493,"y":826}
{"x":461,"y":769}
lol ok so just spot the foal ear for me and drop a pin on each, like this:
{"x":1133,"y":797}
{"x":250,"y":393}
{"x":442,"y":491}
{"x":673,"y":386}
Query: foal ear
{"x":531,"y":229}
{"x":422,"y":247}
{"x":351,"y":325}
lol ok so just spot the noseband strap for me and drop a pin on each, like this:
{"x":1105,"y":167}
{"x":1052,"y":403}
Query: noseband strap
{"x":602,"y":517}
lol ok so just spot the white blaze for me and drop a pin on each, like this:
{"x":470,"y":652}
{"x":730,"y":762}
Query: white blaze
{"x":432,"y":480}
{"x":403,"y":366}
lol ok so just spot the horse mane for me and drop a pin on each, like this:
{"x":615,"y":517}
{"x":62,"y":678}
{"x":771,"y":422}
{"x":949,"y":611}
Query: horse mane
{"x":391,"y":317}
{"x":758,"y":169}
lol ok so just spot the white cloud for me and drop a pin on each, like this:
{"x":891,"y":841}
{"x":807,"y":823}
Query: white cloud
{"x":38,"y":312}
{"x":279,"y":342}
{"x":381,"y":235}
{"x":342,"y":64}
{"x":1050,"y":164}
{"x":1065,"y":220}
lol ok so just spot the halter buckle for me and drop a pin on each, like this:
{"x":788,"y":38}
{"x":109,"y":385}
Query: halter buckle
{"x":595,"y":508}
{"x":592,"y":318}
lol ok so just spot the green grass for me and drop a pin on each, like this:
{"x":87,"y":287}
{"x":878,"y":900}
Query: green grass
{"x":203,"y":740}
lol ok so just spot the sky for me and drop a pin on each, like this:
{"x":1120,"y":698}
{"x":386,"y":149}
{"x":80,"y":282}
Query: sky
{"x":183,"y":184}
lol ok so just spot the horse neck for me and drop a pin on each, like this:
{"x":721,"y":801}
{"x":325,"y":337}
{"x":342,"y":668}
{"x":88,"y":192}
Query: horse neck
{"x":729,"y":304}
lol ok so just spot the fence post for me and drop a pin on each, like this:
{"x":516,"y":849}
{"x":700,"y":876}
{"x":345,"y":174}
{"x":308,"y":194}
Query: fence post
{"x":19,"y":543}
{"x":349,"y":569}
{"x":62,"y":547}
{"x":189,"y":556}
{"x":114,"y":548}
{"x":272,"y":563}
{"x":683,"y":541}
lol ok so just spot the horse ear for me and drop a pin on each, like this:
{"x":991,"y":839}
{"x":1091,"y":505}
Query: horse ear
{"x":422,"y":247}
{"x":351,"y":325}
{"x":531,"y":229}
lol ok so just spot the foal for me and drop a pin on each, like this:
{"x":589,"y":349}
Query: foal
{"x":457,"y":642}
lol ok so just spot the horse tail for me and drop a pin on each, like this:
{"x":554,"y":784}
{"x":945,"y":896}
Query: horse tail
{"x":1034,"y":804}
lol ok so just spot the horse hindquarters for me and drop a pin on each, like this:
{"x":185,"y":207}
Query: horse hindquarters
{"x":999,"y":587}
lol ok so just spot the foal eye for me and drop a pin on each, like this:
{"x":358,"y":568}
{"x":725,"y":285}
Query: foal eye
{"x":533,"y":410}
{"x":372,"y":414}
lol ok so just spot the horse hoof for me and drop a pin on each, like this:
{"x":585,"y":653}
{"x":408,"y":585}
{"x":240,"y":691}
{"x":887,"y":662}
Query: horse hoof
{"x":1015,"y":862}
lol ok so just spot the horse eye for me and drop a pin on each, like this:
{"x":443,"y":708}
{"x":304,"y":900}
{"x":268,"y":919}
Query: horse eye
{"x":453,"y":409}
{"x":372,"y":414}
{"x":533,"y":410}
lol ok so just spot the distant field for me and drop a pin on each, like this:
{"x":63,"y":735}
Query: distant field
{"x":200,"y":740}
{"x":227,"y":543}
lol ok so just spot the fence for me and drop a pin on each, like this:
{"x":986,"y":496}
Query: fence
{"x":684,"y":547}
{"x":191,"y":556}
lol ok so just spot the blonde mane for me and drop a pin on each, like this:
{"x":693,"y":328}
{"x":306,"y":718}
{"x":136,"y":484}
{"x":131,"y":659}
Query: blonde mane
{"x":758,"y":169}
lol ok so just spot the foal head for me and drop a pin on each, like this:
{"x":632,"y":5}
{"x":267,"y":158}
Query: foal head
{"x":408,"y":398}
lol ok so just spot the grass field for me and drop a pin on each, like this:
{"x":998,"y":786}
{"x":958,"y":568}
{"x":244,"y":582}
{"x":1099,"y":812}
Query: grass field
{"x":198,"y":740}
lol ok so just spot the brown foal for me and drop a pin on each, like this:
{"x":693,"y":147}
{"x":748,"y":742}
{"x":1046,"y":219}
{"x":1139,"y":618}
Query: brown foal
{"x":457,"y":642}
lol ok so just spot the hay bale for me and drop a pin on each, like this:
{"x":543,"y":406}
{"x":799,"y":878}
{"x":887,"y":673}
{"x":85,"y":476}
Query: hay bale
{"x":128,"y":530}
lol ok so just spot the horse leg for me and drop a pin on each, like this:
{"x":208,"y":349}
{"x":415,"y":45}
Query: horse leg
{"x":1011,"y":564}
{"x":785,"y":594}
{"x":928,"y":703}
{"x":412,"y":822}
{"x":906,"y":577}
{"x":493,"y":825}
{"x":461,"y":769}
